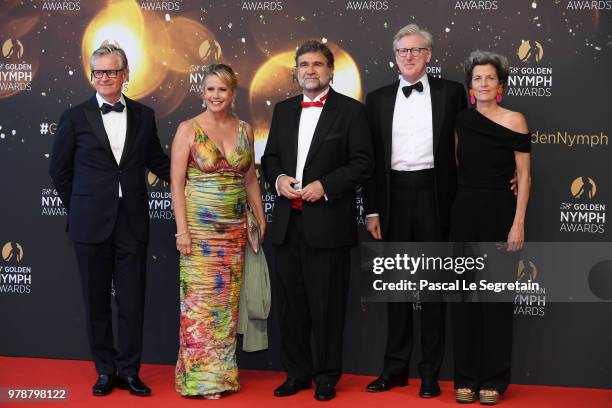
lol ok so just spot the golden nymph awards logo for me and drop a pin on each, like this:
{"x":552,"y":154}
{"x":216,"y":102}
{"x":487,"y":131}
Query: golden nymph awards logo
{"x":15,"y":74}
{"x":12,"y":252}
{"x":209,"y":53}
{"x":14,"y":277}
{"x":583,"y":188}
{"x":51,"y":203}
{"x":529,"y":302}
{"x":527,"y":271}
{"x":529,"y":78}
{"x":12,"y":49}
{"x":160,"y":199}
{"x":582,"y":214}
{"x":530,"y":50}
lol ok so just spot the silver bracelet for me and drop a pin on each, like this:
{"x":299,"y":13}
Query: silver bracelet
{"x":178,"y":234}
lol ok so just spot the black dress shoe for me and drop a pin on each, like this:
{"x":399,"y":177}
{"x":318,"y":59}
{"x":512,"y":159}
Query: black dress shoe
{"x":104,"y":385}
{"x":385,"y":384}
{"x":290,"y":387}
{"x":429,"y":389}
{"x":325,"y":392}
{"x":134,"y":384}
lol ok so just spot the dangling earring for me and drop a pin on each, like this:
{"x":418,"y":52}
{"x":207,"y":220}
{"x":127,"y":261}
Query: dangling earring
{"x":472,"y":97}
{"x":233,"y":105}
{"x":203,"y":104}
{"x":500,"y":91}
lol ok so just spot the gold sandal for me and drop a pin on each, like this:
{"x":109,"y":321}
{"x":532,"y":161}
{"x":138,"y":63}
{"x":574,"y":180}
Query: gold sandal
{"x":465,"y":395}
{"x":489,"y":397}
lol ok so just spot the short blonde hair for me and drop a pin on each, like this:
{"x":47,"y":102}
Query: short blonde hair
{"x":413,"y":29}
{"x":223,"y":71}
{"x":106,"y":49}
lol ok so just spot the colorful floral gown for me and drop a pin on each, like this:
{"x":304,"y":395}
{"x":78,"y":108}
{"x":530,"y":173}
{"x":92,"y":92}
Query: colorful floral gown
{"x":210,"y":278}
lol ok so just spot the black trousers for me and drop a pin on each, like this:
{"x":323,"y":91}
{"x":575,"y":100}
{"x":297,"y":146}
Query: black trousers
{"x":120,"y":261}
{"x":482,"y":332}
{"x":311,"y":306}
{"x":413,"y":218}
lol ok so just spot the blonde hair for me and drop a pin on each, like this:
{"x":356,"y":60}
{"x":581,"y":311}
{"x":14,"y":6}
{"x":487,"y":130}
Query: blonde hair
{"x":106,"y":49}
{"x":413,"y":29}
{"x":224,"y":72}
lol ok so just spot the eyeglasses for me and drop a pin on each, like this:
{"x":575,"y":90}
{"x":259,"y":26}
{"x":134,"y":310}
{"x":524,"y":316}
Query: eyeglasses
{"x":415,"y":52}
{"x":111,"y":73}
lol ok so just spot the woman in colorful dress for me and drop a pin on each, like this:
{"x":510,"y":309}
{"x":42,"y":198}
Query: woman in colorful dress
{"x":213,"y":178}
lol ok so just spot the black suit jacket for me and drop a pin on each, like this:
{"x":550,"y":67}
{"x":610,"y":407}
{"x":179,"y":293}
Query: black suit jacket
{"x":340,"y":157}
{"x":87,"y":177}
{"x":447,"y":100}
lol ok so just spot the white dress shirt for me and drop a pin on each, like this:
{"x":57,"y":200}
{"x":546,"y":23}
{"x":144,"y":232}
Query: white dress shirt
{"x":115,"y":124}
{"x":309,"y":117}
{"x":412,"y":132}
{"x":308,"y":123}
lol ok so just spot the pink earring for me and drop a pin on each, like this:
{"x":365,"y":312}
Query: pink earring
{"x":472,"y":97}
{"x":500,"y":91}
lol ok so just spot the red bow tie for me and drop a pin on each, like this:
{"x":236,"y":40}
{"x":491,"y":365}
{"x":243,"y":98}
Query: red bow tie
{"x":318,"y":104}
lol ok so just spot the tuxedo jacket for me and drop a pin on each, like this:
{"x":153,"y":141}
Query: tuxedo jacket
{"x":340,"y":157}
{"x":447,"y":100}
{"x":87,"y":176}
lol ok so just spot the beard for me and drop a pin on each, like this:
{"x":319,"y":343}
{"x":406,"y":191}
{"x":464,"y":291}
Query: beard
{"x":314,"y":85}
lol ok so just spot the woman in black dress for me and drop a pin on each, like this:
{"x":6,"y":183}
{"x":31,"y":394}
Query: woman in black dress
{"x":493,"y":144}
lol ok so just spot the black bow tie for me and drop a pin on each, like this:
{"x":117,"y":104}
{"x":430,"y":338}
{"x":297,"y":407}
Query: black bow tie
{"x":118,"y":107}
{"x":407,"y":90}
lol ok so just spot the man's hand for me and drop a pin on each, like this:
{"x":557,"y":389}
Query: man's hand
{"x":313,"y":192}
{"x":373,"y":226}
{"x":285,"y":187}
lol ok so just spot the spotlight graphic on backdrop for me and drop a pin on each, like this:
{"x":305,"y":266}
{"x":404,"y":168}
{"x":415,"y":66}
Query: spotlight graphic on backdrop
{"x":122,"y":23}
{"x":160,"y":52}
{"x":274,"y":81}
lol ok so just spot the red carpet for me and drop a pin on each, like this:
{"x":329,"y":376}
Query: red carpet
{"x":257,"y":386}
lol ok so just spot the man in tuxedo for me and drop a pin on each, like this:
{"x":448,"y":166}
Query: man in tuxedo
{"x":409,"y":197}
{"x":98,"y":160}
{"x":318,"y":152}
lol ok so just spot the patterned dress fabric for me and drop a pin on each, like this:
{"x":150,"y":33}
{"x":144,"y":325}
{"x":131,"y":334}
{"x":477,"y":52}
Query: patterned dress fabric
{"x":211,"y":277}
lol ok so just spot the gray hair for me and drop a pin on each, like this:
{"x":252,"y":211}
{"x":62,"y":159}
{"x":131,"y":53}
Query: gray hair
{"x":486,"y":58}
{"x":413,"y":29}
{"x":105,"y":49}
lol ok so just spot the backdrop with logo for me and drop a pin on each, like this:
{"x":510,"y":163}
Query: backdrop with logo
{"x":560,"y":54}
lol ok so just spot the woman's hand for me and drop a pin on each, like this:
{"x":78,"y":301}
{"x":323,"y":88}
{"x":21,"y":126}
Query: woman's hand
{"x":262,"y":230}
{"x":516,"y":237}
{"x":183,"y":244}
